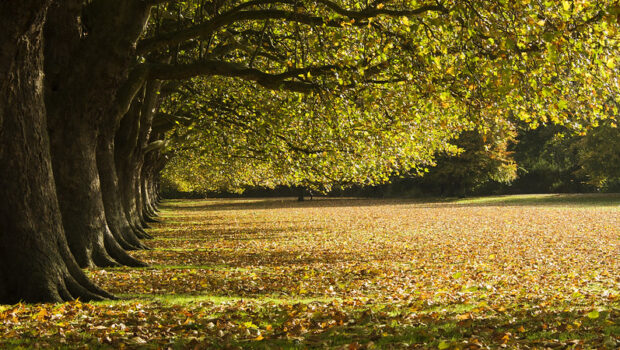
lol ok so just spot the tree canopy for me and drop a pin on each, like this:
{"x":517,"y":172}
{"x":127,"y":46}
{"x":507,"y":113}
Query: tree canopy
{"x":387,"y":91}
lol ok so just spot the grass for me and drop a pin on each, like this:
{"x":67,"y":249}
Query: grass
{"x":533,"y":271}
{"x":568,"y":200}
{"x":192,"y":299}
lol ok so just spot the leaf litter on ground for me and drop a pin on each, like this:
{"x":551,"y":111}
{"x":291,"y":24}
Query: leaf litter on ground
{"x":354,"y":274}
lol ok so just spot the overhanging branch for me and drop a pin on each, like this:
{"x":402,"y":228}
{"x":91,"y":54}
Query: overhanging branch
{"x":280,"y":81}
{"x":235,"y":15}
{"x":133,"y":84}
{"x":207,"y":28}
{"x":376,"y":11}
{"x":155,"y":145}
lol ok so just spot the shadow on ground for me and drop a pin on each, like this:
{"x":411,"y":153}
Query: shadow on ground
{"x":573,"y":200}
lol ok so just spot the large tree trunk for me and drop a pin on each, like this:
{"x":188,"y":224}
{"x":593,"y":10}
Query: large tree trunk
{"x":157,"y":164}
{"x":110,"y":187}
{"x":81,"y":201}
{"x":151,"y":102}
{"x":138,"y":192}
{"x":162,"y":160}
{"x":35,"y":262}
{"x":150,"y":183}
{"x":86,"y":70}
{"x":125,"y":155}
{"x":131,"y":141}
{"x":147,"y":172}
{"x":79,"y":194}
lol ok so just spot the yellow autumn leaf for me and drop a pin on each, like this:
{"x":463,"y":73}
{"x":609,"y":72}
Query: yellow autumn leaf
{"x":40,"y":316}
{"x":611,"y":63}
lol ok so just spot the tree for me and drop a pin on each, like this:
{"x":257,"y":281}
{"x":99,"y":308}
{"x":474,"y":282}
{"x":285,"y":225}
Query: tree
{"x":557,"y":159}
{"x":86,"y":66}
{"x":482,"y":159}
{"x":598,"y":156}
{"x":36,"y":262}
{"x":450,"y":64}
{"x":546,"y":160}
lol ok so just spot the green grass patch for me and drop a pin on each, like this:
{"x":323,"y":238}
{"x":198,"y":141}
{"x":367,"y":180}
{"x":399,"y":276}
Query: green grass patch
{"x":553,"y":200}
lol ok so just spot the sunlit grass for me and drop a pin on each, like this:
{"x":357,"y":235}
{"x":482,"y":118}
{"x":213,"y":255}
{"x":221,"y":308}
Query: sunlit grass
{"x":573,"y":200}
{"x":191,"y":299}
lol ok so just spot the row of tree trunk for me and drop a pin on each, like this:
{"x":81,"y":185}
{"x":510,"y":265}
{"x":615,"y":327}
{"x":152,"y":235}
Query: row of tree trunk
{"x":78,"y":160}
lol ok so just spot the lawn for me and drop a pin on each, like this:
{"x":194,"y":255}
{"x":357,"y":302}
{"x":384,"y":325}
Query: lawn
{"x":501,"y":272}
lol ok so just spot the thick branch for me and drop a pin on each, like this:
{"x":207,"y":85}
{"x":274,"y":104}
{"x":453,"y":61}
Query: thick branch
{"x":130,"y":88}
{"x":375,"y":11}
{"x":163,"y":122}
{"x":155,"y":145}
{"x":208,"y":27}
{"x":157,"y":2}
{"x":227,"y":69}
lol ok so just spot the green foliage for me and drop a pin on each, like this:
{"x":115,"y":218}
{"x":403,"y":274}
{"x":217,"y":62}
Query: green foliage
{"x":598,"y":154}
{"x":483,"y":158}
{"x":555,"y":159}
{"x":260,"y":138}
{"x":546,"y":161}
{"x":361,"y":92}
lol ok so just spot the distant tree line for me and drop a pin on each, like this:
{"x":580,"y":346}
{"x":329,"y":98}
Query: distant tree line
{"x":548,"y":159}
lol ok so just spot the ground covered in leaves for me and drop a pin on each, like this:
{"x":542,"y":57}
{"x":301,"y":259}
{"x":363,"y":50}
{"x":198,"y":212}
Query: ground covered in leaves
{"x":504,"y":272}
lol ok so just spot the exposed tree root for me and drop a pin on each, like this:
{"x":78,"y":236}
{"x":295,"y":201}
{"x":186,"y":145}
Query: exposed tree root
{"x":151,"y":219}
{"x":120,"y":255}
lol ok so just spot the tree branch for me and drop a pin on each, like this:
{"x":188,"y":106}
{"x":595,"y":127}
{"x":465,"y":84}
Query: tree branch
{"x":157,"y":2}
{"x":163,"y":122}
{"x":133,"y":84}
{"x":155,"y":145}
{"x":375,"y":11}
{"x":209,"y":27}
{"x":232,"y":16}
{"x":227,"y":69}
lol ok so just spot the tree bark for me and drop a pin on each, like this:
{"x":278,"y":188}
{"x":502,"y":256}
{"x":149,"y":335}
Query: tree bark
{"x":126,"y":141}
{"x":108,"y":171}
{"x":152,"y":183}
{"x":79,"y":193}
{"x":131,"y":140}
{"x":301,"y":192}
{"x":162,"y":160}
{"x":117,"y":221}
{"x":147,"y":172}
{"x":145,"y":136}
{"x":137,"y":183}
{"x":35,"y":262}
{"x":87,"y":67}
